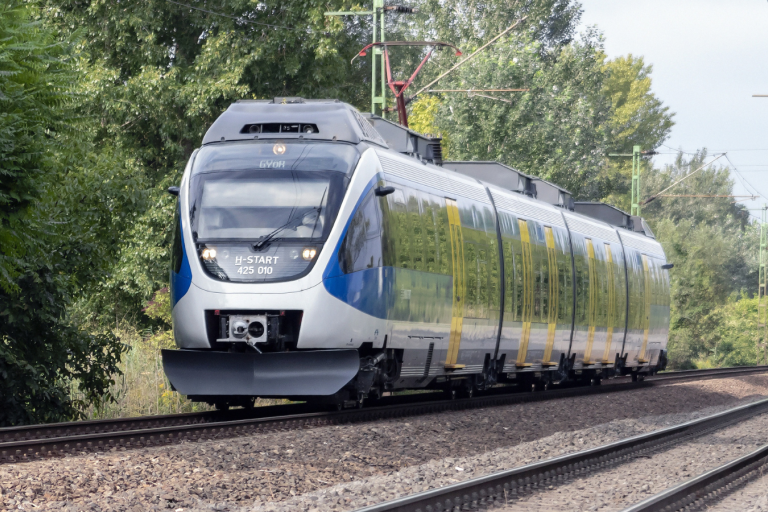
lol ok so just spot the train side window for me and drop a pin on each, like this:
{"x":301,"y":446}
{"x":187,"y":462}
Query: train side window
{"x":565,"y":282}
{"x":507,"y":223}
{"x":540,"y":271}
{"x":397,"y":227}
{"x":443,"y":236}
{"x":416,"y":233}
{"x":431,"y":242}
{"x":581,"y":264}
{"x":177,"y":254}
{"x":361,"y":248}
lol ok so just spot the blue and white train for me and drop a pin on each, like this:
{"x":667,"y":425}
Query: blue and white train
{"x":320,"y":254}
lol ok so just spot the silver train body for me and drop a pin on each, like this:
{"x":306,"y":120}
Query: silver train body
{"x":311,"y":260}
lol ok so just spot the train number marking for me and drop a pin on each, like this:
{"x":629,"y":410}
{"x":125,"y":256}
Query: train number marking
{"x":254,"y":270}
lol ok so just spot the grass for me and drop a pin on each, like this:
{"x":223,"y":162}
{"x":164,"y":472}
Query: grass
{"x":143,"y":389}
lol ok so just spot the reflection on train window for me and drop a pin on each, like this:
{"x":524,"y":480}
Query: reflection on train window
{"x":415,"y":231}
{"x":361,"y":248}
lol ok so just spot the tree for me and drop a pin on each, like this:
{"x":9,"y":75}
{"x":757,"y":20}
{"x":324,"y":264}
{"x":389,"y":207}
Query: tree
{"x":638,"y":118}
{"x":51,"y":220}
{"x":159,"y":74}
{"x":553,"y":131}
{"x":712,"y":245}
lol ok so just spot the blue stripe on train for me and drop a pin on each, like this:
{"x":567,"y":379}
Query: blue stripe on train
{"x":369,"y":290}
{"x":181,"y":282}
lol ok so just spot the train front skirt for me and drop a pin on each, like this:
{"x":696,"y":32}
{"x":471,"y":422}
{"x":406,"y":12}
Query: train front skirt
{"x":278,"y":374}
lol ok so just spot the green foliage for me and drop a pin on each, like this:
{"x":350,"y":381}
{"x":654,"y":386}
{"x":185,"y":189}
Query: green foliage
{"x":32,"y":85}
{"x":159,"y":308}
{"x":712,"y":245}
{"x":638,"y":118}
{"x":736,"y":337}
{"x":473,"y":22}
{"x":553,"y":131}
{"x":158,"y":76}
{"x":54,"y":219}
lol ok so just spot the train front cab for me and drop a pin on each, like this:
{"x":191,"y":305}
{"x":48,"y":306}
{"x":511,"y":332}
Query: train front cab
{"x":288,"y":195}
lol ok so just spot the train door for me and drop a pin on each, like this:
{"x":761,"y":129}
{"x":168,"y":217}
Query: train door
{"x":554,"y":296}
{"x":459,"y":284}
{"x":611,"y":306}
{"x":592,"y":305}
{"x":527,"y":298}
{"x":643,"y":357}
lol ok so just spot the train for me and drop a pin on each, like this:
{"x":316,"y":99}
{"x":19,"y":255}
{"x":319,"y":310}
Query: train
{"x":325,"y":255}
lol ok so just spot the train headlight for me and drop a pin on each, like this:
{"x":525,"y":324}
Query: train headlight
{"x":209,"y":253}
{"x":278,"y":149}
{"x":294,"y":254}
{"x":308,"y":253}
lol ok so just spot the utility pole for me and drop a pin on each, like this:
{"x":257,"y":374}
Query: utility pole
{"x":762,"y":300}
{"x":635,"y":201}
{"x":377,"y":55}
{"x":637,"y":160}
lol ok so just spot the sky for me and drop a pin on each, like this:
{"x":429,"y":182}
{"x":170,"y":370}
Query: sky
{"x":709,"y":57}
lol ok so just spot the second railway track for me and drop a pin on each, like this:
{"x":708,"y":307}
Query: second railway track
{"x":29,"y":442}
{"x":497,"y":488}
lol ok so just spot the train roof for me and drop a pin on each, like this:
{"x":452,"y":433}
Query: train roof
{"x":292,"y":118}
{"x":334,"y":120}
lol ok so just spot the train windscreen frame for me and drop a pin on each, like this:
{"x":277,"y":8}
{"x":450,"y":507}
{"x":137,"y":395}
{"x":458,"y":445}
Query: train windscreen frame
{"x":261,"y":211}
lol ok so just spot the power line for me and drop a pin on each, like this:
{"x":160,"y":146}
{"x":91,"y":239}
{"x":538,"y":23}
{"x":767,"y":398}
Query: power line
{"x":754,"y":189}
{"x":237,"y":18}
{"x":713,"y":151}
{"x":433,"y":82}
{"x":654,"y":196}
{"x":678,"y":150}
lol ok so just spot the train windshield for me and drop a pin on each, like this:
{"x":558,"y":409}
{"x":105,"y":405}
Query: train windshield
{"x":250,"y":191}
{"x":263,"y":204}
{"x":266,"y":202}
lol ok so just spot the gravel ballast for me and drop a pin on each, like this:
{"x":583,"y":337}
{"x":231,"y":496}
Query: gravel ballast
{"x":342,"y":467}
{"x":627,"y":484}
{"x":753,"y":497}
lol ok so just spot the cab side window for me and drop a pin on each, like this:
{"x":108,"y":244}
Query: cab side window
{"x":361,"y":248}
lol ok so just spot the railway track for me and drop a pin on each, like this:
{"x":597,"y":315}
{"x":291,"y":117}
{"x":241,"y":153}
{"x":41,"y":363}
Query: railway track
{"x":485,"y":491}
{"x":701,"y":491}
{"x":28,"y":442}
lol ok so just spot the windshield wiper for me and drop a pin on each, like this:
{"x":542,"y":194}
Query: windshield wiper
{"x":293,"y":222}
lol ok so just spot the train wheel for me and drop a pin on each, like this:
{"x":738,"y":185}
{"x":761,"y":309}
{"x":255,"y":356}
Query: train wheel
{"x":452,"y":394}
{"x":546,"y":386}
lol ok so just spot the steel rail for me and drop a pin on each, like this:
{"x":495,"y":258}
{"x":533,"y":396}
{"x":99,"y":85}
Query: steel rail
{"x":704,"y":489}
{"x":22,"y":443}
{"x":23,"y":449}
{"x":62,"y":429}
{"x":498,"y":487}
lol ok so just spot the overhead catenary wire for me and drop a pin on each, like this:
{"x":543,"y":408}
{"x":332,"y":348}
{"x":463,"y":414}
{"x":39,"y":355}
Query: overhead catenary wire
{"x":237,"y":18}
{"x":738,"y":173}
{"x":703,"y":195}
{"x":654,"y":196}
{"x":478,"y":90}
{"x":433,"y":82}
